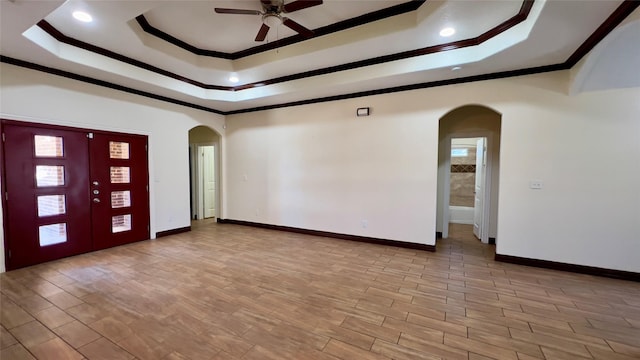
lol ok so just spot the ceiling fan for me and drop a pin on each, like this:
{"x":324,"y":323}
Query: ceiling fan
{"x":271,"y":13}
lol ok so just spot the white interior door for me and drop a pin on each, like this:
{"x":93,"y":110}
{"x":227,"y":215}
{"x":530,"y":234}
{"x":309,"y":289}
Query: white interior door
{"x":209,"y":181}
{"x":478,"y":205}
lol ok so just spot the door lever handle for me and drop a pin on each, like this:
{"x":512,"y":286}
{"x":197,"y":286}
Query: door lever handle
{"x":96,"y":200}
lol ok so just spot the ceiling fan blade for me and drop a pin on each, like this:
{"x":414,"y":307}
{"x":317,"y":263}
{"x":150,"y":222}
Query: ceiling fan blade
{"x":297,"y":27}
{"x":262,"y":33}
{"x":237,"y":11}
{"x":299,"y":5}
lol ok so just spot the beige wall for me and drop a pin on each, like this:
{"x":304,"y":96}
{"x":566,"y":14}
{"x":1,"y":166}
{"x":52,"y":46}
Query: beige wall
{"x":320,"y":167}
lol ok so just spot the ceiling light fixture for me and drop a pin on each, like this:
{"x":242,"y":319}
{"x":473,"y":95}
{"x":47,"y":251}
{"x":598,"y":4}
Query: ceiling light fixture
{"x":82,"y":16}
{"x":272,"y":20}
{"x":448,"y":31}
{"x":234,"y":79}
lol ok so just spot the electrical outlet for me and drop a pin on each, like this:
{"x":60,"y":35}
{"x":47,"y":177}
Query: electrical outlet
{"x":535,"y":184}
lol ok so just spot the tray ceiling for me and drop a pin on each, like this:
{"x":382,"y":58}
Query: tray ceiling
{"x":186,"y":52}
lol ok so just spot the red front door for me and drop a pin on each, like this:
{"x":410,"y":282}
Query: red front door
{"x":47,"y":194}
{"x":69,"y":191}
{"x":119,"y":196}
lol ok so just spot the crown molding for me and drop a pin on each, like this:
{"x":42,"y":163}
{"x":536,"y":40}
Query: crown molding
{"x":621,"y":13}
{"x":325,"y":30}
{"x":496,"y":30}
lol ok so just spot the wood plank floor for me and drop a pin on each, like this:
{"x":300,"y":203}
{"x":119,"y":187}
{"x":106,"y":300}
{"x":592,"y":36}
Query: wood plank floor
{"x":234,"y":292}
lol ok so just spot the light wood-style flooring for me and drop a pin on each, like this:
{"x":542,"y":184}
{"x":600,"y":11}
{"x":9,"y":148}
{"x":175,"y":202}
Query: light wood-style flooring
{"x":234,"y":292}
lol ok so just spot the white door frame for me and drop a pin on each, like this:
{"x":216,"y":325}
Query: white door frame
{"x":195,"y":179}
{"x":447,"y":180}
{"x":480,"y":188}
{"x":201,"y":171}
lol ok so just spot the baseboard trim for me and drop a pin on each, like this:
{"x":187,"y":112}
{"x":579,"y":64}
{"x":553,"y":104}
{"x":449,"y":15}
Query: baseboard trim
{"x":160,"y":234}
{"x":370,"y":240}
{"x":581,"y":269}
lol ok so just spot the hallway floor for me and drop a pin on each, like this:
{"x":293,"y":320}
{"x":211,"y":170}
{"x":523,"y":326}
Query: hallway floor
{"x":235,"y":292}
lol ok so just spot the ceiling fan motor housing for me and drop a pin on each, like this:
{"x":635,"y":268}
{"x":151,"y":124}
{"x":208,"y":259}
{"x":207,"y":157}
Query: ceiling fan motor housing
{"x":272,"y":6}
{"x":272,"y":15}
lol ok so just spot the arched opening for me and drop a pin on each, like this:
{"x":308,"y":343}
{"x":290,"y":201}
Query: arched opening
{"x":476,"y":130}
{"x":204,"y":173}
{"x":604,"y":68}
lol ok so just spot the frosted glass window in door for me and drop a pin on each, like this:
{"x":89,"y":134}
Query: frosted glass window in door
{"x":48,"y":146}
{"x":120,"y":175}
{"x":120,"y":223}
{"x":51,"y":205}
{"x":49,"y":175}
{"x":120,"y":199}
{"x":52,"y":234}
{"x":118,"y":150}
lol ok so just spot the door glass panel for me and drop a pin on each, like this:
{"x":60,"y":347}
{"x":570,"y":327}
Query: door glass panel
{"x":120,"y":175}
{"x":47,"y":175}
{"x":50,"y":205}
{"x":48,"y":146}
{"x":120,"y":199}
{"x":52,"y":234}
{"x":118,"y":150}
{"x":120,"y":223}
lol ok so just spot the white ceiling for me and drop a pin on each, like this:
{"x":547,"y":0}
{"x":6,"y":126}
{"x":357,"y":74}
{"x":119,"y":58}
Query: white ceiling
{"x":551,"y":33}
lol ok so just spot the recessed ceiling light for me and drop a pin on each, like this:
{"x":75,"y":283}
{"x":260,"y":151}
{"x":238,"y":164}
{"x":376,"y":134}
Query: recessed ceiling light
{"x":447,"y":31}
{"x":82,"y":16}
{"x":234,"y":79}
{"x":456,"y":68}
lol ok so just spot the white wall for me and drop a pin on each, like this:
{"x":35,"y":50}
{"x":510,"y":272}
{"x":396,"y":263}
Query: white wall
{"x":612,"y":64}
{"x":320,"y":167}
{"x":461,"y":215}
{"x":586,"y":150}
{"x":38,"y":97}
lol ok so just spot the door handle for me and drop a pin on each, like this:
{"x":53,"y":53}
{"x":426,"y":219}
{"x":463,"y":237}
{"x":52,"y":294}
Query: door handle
{"x":96,"y":200}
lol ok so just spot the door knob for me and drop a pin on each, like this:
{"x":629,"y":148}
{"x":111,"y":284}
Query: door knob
{"x":96,"y":200}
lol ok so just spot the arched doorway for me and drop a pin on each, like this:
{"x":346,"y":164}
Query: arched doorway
{"x":204,"y":172}
{"x":475,"y":128}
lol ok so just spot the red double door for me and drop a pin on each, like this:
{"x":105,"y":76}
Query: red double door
{"x":70,"y":191}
